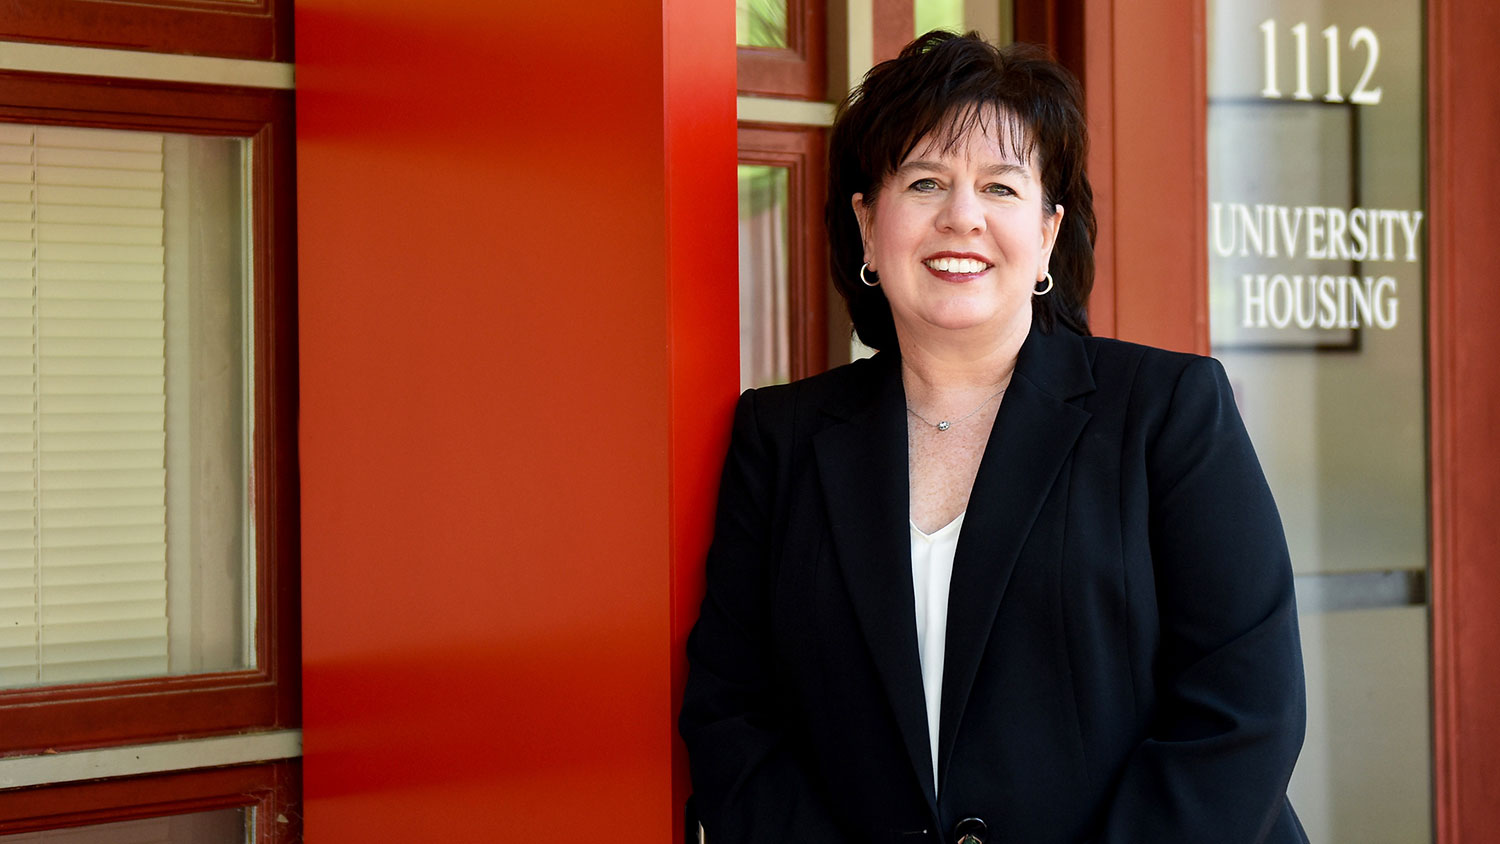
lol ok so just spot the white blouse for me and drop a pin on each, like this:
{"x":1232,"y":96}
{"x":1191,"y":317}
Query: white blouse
{"x":931,"y":574}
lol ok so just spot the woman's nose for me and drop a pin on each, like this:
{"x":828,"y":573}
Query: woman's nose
{"x":961,"y":213}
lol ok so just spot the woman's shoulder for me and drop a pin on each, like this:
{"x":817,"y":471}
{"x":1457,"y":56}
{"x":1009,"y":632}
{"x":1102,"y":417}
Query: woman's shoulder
{"x":1151,"y":383}
{"x":1150,"y":366}
{"x":1155,"y":359}
{"x":837,"y":391}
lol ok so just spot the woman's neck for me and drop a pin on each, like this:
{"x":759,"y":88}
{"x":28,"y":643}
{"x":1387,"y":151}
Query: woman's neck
{"x":951,"y":364}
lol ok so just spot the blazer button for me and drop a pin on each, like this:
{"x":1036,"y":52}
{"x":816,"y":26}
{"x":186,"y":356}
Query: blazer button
{"x":970,"y":831}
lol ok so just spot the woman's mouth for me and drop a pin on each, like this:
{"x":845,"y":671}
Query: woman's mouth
{"x":947,"y":267}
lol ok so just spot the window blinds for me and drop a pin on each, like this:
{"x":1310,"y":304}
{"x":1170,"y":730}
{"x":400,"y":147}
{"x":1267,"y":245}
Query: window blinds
{"x":82,"y":406}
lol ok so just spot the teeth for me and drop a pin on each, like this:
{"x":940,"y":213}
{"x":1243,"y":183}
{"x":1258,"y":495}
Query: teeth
{"x":958,"y":265}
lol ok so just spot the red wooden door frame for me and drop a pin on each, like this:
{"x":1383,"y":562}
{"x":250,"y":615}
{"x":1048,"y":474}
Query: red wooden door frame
{"x":1464,"y":303}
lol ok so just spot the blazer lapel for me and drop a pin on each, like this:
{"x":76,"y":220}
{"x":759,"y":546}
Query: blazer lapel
{"x":1034,"y":432}
{"x":863,"y":466}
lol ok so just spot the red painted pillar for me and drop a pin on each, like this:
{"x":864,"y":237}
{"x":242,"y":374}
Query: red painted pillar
{"x":517,"y":328}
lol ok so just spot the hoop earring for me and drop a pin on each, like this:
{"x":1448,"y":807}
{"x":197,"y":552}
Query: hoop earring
{"x":1044,"y":291}
{"x":866,"y":281}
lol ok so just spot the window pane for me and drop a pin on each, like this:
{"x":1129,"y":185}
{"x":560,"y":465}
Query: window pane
{"x":124,"y":523}
{"x":223,"y":826}
{"x":1317,"y":292}
{"x":939,"y":14}
{"x":765,"y":269}
{"x":760,"y":23}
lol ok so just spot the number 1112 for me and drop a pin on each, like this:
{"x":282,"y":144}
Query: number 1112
{"x":1362,"y":94}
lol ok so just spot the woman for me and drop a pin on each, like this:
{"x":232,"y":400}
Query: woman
{"x":1004,"y":581}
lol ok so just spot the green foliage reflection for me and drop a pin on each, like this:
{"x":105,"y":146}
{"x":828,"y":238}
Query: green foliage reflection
{"x":760,"y":23}
{"x":762,"y":188}
{"x":939,"y":14}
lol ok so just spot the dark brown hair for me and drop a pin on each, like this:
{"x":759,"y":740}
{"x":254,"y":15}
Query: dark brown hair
{"x":954,"y":83}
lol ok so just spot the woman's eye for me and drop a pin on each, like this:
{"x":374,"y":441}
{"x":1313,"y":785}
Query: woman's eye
{"x":924,"y":185}
{"x":1000,"y":190}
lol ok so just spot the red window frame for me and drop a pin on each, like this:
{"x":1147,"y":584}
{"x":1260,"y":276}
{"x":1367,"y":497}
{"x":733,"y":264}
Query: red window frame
{"x":799,"y":70}
{"x":271,"y":789}
{"x":46,"y":718}
{"x":800,"y":149}
{"x":240,"y":29}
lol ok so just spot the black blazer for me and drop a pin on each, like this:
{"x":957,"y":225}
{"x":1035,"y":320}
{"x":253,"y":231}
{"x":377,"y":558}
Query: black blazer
{"x":1122,"y":662}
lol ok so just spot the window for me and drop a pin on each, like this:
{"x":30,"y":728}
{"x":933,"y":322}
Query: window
{"x":129,"y":333}
{"x":148,"y":486}
{"x":783,"y":260}
{"x":781,"y":48}
{"x":123,"y":526}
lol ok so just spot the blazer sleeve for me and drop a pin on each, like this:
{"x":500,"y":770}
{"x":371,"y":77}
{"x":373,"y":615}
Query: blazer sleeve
{"x":749,"y":783}
{"x":1231,"y":708}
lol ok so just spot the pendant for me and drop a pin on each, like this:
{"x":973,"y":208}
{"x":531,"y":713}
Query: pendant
{"x":944,"y":425}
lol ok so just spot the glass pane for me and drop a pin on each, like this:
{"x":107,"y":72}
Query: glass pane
{"x":939,"y":14}
{"x":223,"y":826}
{"x":125,"y":526}
{"x":765,"y":269}
{"x":760,"y":23}
{"x":1317,"y":294}
{"x":993,"y":19}
{"x":1368,"y":708}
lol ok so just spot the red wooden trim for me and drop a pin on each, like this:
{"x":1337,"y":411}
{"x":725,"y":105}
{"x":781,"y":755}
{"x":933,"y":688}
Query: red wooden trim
{"x":1147,"y":109}
{"x":241,"y":29}
{"x":71,"y":718}
{"x":1196,"y":308}
{"x":1083,"y":41}
{"x":1036,"y":21}
{"x":1464,"y":377}
{"x":1440,"y":253}
{"x":132,"y":104}
{"x":800,"y":150}
{"x":1062,"y":25}
{"x":100,"y":714}
{"x":277,"y":499}
{"x":270,"y":789}
{"x":895,"y":27}
{"x":801,"y":70}
{"x":1096,"y":70}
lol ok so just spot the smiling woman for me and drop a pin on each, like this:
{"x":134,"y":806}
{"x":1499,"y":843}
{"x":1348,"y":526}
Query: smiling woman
{"x":984,"y":581}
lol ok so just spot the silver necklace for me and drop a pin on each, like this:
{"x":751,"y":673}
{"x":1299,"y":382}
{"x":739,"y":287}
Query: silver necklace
{"x":946,"y":424}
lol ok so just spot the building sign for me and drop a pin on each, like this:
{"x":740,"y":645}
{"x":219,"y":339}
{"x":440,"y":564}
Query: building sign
{"x":1302,"y":253}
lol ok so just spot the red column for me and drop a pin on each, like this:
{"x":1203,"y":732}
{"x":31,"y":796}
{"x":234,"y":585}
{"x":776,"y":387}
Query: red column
{"x":517,"y":321}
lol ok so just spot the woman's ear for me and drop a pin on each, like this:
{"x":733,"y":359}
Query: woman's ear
{"x":862,"y":214}
{"x":1051,"y":225}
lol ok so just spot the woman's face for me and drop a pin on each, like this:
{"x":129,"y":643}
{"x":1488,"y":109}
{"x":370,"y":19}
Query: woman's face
{"x":960,"y":237}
